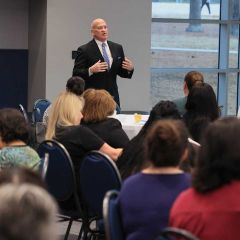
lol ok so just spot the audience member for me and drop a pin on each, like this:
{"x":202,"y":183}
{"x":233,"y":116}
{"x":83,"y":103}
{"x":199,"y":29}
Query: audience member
{"x":74,"y":85}
{"x":132,"y":159}
{"x":211,"y":209}
{"x":20,"y":175}
{"x":14,"y":134}
{"x":99,"y":105}
{"x":190,"y":79}
{"x":146,"y":198}
{"x":202,"y":108}
{"x":27,"y":212}
{"x":64,"y":126}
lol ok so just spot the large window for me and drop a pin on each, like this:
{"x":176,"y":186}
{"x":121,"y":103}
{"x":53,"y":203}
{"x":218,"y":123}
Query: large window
{"x":188,"y":36}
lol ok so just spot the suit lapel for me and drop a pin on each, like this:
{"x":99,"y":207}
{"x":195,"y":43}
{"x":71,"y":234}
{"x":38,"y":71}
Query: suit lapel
{"x":112,"y":50}
{"x":113,"y":53}
{"x":96,"y":50}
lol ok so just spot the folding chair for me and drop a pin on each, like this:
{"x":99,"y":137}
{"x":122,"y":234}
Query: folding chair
{"x":98,"y":174}
{"x":171,"y":233}
{"x":111,"y":216}
{"x":23,"y":111}
{"x":39,"y":108}
{"x":60,"y":180}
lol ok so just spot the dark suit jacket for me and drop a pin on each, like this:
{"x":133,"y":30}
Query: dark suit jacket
{"x":89,"y":54}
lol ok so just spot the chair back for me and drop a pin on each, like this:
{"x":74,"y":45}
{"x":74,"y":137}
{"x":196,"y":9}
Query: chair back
{"x":58,"y":173}
{"x":24,"y":113}
{"x":98,"y":174}
{"x":171,"y":233}
{"x":39,"y":108}
{"x":112,"y":217}
{"x":44,"y":166}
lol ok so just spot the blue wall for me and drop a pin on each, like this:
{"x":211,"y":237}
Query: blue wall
{"x":13,"y":78}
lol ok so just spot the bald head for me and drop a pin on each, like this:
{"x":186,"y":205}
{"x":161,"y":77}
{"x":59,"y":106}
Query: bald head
{"x":99,"y":29}
{"x":97,"y":21}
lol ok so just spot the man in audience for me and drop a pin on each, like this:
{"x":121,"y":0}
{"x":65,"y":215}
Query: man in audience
{"x":27,"y":212}
{"x":190,"y":79}
{"x":75,"y":85}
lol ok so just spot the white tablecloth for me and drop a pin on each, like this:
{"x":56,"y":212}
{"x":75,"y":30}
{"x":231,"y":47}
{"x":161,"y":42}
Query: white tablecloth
{"x":129,"y":125}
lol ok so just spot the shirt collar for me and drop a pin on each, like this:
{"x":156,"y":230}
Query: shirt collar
{"x":99,"y":43}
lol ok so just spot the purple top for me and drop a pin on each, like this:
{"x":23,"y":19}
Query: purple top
{"x":145,"y":201}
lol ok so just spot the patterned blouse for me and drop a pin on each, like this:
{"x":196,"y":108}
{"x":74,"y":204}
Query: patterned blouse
{"x":23,"y":155}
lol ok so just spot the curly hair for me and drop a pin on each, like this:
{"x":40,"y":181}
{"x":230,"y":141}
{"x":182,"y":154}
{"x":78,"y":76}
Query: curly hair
{"x":219,"y":156}
{"x":13,"y":126}
{"x":162,"y":110}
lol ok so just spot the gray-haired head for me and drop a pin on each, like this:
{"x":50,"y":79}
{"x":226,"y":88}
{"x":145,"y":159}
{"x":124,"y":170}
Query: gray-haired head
{"x":27,"y":212}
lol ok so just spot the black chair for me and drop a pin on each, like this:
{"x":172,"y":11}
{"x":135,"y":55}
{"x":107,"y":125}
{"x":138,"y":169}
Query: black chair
{"x":171,"y":233}
{"x":42,"y":166}
{"x":98,"y":174}
{"x":112,"y":217}
{"x":39,"y":108}
{"x":61,"y":181}
{"x":24,"y":113}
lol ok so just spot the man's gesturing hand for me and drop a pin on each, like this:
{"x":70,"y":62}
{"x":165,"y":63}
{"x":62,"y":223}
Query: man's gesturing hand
{"x":98,"y":67}
{"x":127,"y":64}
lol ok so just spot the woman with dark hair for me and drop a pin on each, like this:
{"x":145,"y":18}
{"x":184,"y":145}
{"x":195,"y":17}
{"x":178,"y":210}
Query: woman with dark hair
{"x":132,"y":159}
{"x":211,"y":209}
{"x":146,"y":198}
{"x":14,"y":135}
{"x":201,"y":109}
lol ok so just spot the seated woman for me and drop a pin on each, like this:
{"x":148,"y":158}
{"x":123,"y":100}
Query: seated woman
{"x":14,"y":135}
{"x":201,"y":109}
{"x":146,"y":198}
{"x":132,"y":159}
{"x":64,"y":126}
{"x":99,"y":105}
{"x":24,"y":208}
{"x":211,"y":208}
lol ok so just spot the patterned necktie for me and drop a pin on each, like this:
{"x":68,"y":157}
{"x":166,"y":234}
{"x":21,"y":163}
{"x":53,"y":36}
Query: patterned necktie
{"x":105,"y":56}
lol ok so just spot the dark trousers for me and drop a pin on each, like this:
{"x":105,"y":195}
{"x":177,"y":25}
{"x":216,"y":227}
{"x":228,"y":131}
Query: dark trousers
{"x":204,"y":2}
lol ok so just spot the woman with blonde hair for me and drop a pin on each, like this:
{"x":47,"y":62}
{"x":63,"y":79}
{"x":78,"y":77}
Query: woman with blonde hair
{"x":99,"y":105}
{"x":64,"y":126}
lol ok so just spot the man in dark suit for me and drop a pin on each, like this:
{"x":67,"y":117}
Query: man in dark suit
{"x":100,"y":61}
